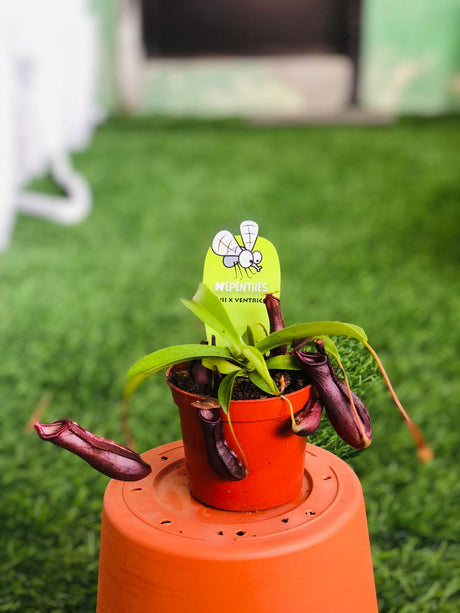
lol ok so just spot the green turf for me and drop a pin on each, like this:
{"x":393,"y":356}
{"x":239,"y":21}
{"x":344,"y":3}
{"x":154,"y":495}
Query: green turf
{"x":366,"y":221}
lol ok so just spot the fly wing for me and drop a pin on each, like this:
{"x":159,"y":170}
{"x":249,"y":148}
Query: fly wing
{"x":249,"y":232}
{"x":224,"y":243}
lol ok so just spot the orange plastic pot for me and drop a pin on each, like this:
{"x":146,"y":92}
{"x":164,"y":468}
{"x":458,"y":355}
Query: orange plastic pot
{"x":273,"y":453}
{"x":162,"y":550}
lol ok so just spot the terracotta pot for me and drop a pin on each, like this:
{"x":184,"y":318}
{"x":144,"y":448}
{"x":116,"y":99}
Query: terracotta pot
{"x":163,"y":551}
{"x":274,"y":455}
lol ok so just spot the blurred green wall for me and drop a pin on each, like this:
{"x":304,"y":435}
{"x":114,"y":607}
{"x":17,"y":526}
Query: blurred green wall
{"x":411,"y":56}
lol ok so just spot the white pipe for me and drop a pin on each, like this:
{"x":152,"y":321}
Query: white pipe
{"x":66,"y":210}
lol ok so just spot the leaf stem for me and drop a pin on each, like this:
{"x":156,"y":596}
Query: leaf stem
{"x":291,"y":410}
{"x":235,"y":440}
{"x":424,"y":452}
{"x":358,"y":421}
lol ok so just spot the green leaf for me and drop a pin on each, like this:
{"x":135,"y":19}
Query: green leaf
{"x":283,"y":362}
{"x":257,"y":362}
{"x":254,"y":334}
{"x":224,"y":394}
{"x":260,"y":382}
{"x":163,"y":358}
{"x":248,"y":336}
{"x":313,"y":329}
{"x":207,"y":307}
{"x":223,"y":366}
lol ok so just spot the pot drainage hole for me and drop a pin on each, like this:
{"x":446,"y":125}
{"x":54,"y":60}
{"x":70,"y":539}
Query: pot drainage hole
{"x":240,"y":533}
{"x":310,"y":513}
{"x":165,"y":522}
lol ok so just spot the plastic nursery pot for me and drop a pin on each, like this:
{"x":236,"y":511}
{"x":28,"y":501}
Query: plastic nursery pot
{"x":274,"y":454}
{"x":163,"y":551}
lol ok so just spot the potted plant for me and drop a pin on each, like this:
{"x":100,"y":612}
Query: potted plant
{"x":246,"y":406}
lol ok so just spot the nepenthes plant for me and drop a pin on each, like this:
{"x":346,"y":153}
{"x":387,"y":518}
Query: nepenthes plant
{"x":254,"y":355}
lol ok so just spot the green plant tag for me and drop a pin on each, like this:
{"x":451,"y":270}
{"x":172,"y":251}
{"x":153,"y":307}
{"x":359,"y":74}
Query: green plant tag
{"x":241,"y":270}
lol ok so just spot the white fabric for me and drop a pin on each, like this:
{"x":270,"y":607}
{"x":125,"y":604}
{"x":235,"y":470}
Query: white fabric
{"x":48,"y":70}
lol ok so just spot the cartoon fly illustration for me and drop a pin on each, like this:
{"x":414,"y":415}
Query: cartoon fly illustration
{"x":226,"y":245}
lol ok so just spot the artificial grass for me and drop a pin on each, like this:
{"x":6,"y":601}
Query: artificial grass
{"x":366,"y":222}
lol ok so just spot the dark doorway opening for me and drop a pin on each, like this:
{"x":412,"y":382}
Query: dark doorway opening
{"x":193,"y":28}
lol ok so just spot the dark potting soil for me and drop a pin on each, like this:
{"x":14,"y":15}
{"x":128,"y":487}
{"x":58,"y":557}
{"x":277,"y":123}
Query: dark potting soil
{"x":287,"y":381}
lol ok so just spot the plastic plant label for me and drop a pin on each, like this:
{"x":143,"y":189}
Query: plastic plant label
{"x":241,"y":270}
